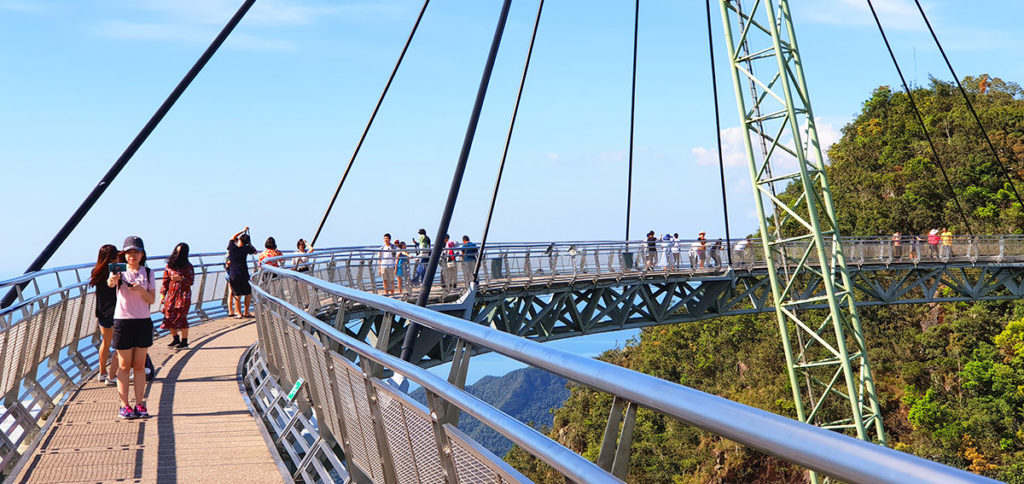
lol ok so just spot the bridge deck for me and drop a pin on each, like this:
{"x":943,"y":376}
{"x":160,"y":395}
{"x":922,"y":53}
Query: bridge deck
{"x":200,"y":428}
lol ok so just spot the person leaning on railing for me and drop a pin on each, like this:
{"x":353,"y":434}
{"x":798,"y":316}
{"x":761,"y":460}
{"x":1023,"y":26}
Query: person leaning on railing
{"x":947,"y":243}
{"x":302,"y":262}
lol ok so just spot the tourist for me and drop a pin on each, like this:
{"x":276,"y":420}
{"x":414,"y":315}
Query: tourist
{"x":741,"y":251}
{"x":302,"y":262}
{"x":677,"y":251}
{"x":403,"y":263}
{"x":933,"y":243}
{"x":239,"y":249}
{"x":915,"y":246}
{"x":469,"y":255}
{"x":702,"y":249}
{"x":386,"y":264}
{"x":694,"y":247}
{"x":133,"y":328}
{"x":449,"y":277}
{"x":716,"y":253}
{"x":176,"y":295}
{"x":106,"y":300}
{"x":897,"y":248}
{"x":423,"y":242}
{"x":651,"y":256}
{"x":947,"y":243}
{"x":270,"y":251}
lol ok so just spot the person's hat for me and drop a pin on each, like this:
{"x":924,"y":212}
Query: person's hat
{"x":133,"y":242}
{"x":423,"y":231}
{"x":933,"y":232}
{"x":702,"y":233}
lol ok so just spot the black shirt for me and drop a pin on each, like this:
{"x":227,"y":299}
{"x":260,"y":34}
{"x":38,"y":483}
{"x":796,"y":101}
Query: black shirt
{"x":237,"y":265}
{"x":106,"y":300}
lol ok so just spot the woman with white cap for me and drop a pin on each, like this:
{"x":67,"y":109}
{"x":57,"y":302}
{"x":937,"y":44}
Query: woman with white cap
{"x":133,"y":328}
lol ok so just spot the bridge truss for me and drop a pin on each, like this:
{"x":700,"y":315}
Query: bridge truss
{"x":826,"y":358}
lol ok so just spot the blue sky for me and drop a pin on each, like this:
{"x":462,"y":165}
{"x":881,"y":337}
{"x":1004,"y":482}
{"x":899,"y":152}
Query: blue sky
{"x":261,"y":137}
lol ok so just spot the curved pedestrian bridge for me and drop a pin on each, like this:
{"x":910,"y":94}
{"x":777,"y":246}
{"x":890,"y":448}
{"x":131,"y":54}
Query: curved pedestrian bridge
{"x":317,"y":368}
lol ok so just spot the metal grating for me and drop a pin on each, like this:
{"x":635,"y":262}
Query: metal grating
{"x":357,"y":445}
{"x":468,"y":466}
{"x":424,"y":445}
{"x":365,"y":421}
{"x":397,"y":435}
{"x":86,"y":327}
{"x":4,"y":368}
{"x":297,"y":368}
{"x":51,"y":327}
{"x":12,"y":354}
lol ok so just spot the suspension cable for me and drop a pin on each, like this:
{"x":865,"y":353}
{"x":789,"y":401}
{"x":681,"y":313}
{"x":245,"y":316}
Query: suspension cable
{"x":369,"y":123}
{"x":129,"y":152}
{"x":508,"y":140}
{"x":453,"y":192}
{"x":718,"y":134}
{"x":920,"y":119}
{"x":632,"y":118}
{"x":970,"y":106}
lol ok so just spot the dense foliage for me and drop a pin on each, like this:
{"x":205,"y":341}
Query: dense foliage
{"x":951,"y":376}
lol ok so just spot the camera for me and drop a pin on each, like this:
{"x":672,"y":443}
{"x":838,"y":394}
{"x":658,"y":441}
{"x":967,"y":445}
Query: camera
{"x":116,"y":267}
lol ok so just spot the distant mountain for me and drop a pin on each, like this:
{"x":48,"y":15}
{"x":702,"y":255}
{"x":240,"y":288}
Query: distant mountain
{"x":527,"y":394}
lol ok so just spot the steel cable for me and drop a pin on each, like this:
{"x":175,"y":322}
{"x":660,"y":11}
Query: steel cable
{"x":366,"y":130}
{"x":508,"y":140}
{"x":920,"y":120}
{"x":718,"y":134}
{"x":632,"y":118}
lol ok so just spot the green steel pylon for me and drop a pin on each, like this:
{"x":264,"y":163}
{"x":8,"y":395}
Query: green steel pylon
{"x":827,"y":359}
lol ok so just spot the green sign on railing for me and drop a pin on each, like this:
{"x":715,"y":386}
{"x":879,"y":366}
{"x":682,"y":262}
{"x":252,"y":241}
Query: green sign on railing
{"x":295,"y":389}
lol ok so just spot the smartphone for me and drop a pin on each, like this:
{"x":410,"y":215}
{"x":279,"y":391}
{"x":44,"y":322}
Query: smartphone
{"x":116,"y":267}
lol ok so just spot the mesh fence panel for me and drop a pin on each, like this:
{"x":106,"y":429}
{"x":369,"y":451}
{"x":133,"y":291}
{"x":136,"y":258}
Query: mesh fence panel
{"x":343,"y":385}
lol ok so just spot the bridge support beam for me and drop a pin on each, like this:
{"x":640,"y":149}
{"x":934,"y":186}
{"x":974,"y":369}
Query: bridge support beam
{"x":825,"y":355}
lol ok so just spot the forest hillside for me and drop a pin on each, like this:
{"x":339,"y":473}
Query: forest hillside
{"x":950,"y":376}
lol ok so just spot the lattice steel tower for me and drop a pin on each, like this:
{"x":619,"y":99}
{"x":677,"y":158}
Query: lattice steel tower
{"x":826,"y":359}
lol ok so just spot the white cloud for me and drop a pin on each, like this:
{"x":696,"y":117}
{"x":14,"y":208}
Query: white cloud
{"x":733,"y":151}
{"x":894,"y":14}
{"x":553,"y":156}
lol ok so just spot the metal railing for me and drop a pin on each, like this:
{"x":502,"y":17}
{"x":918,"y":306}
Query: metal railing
{"x":507,"y":266}
{"x":49,"y":342}
{"x":386,"y":437}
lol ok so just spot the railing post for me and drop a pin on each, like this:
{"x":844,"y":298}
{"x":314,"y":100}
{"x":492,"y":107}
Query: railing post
{"x":387,"y":462}
{"x":615,"y":449}
{"x":444,"y":445}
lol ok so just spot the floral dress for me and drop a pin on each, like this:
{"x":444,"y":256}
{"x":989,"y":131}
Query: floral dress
{"x":177,"y":297}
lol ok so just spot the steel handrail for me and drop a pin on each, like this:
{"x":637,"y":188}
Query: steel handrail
{"x":555,"y":455}
{"x":822,"y":450}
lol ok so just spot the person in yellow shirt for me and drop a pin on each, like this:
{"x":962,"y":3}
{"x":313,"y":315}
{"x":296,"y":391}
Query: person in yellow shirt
{"x":947,"y":243}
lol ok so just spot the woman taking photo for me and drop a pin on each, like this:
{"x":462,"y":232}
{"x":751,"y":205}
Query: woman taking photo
{"x":106,"y":299}
{"x":239,"y":249}
{"x":133,"y":328}
{"x":176,"y":295}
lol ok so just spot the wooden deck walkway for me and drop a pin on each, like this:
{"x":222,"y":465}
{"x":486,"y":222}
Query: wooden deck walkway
{"x":200,"y":430}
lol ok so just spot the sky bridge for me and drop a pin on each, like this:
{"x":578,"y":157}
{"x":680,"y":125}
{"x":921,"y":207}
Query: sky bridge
{"x":315,"y":387}
{"x":223,"y":406}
